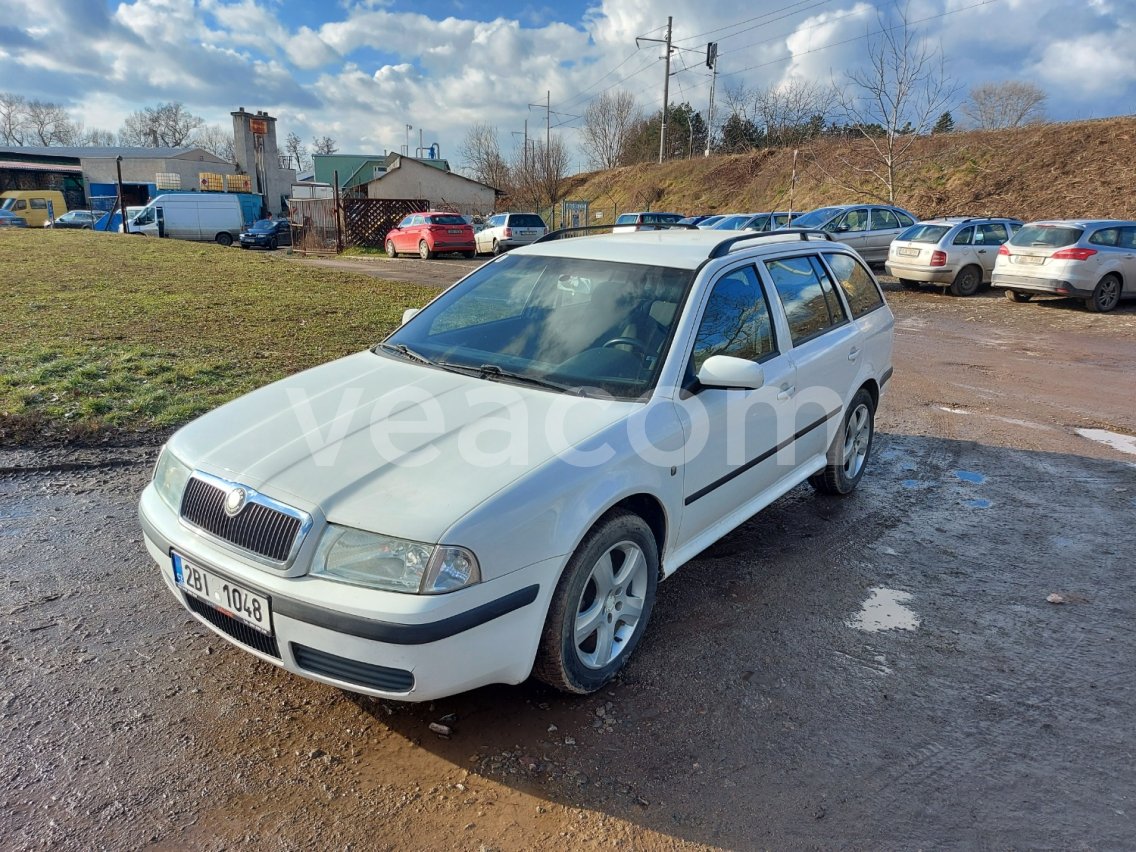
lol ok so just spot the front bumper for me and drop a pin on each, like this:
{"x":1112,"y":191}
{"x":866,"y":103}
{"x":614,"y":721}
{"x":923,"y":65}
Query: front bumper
{"x":1048,"y":286}
{"x":385,"y":644}
{"x":261,"y":242}
{"x":938,"y":275}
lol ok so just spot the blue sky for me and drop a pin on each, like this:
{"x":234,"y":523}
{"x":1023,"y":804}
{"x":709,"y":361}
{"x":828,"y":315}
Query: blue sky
{"x":361,"y":70}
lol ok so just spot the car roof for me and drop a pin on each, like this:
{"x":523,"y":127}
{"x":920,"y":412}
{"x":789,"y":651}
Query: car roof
{"x":1085,"y":223}
{"x":685,"y":248}
{"x":960,"y":220}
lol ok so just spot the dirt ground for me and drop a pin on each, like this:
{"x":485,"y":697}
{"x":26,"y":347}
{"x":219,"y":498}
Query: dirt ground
{"x":761,"y":711}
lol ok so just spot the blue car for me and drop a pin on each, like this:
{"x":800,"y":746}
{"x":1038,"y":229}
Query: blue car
{"x":267,"y":234}
{"x":11,"y":220}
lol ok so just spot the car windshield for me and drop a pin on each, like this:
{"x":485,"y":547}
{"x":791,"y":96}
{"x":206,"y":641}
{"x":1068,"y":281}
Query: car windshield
{"x":263,"y":224}
{"x":816,"y":218}
{"x":446,"y":220}
{"x":923,"y":233}
{"x":580,"y":324}
{"x":525,"y":220}
{"x":8,"y":204}
{"x":1046,"y":236}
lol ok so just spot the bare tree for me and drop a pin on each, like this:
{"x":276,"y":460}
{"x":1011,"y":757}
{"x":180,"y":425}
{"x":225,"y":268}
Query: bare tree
{"x":887,"y":104}
{"x":1013,"y":103}
{"x":608,"y":123}
{"x":295,"y":152}
{"x":481,"y":153}
{"x":216,"y":140}
{"x":792,"y":112}
{"x":168,"y":125}
{"x":537,"y":178}
{"x":324,"y":145}
{"x":49,"y":124}
{"x":13,"y":118}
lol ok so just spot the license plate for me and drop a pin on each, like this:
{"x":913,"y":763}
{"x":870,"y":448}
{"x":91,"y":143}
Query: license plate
{"x":454,"y":231}
{"x":908,"y":252}
{"x":1035,"y":259}
{"x":230,"y":598}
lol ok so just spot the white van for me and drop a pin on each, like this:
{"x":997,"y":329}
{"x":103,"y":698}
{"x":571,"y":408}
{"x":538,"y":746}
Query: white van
{"x":203,"y":216}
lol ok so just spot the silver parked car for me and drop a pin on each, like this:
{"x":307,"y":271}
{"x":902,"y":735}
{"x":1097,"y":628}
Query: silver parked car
{"x":753,"y":221}
{"x":509,"y":230}
{"x":1089,"y":259}
{"x":952,"y":251}
{"x":868,"y":228}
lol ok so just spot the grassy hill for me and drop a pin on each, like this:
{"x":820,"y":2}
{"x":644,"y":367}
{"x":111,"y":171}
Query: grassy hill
{"x":1045,"y":171}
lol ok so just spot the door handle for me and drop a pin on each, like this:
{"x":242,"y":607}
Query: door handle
{"x":787,"y":392}
{"x":982,"y":251}
{"x":854,"y":354}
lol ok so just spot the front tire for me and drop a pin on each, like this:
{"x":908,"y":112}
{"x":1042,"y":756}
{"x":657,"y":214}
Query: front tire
{"x":272,"y":244}
{"x":1015,"y":296}
{"x":601,"y":606}
{"x":849,"y":451}
{"x":424,"y":251}
{"x":390,"y":249}
{"x":224,"y":239}
{"x":967,"y":281}
{"x":1106,"y":295}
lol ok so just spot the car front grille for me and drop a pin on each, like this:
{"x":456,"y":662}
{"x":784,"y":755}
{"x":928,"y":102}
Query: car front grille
{"x":233,"y":628}
{"x":258,"y":528}
{"x":352,"y":671}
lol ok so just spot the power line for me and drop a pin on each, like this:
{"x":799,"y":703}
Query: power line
{"x":812,"y":5}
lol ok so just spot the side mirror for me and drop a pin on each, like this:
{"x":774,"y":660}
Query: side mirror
{"x":725,"y":371}
{"x":408,"y":314}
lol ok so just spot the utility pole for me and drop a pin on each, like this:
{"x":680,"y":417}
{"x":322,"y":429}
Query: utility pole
{"x":712,"y":63}
{"x":666,"y":82}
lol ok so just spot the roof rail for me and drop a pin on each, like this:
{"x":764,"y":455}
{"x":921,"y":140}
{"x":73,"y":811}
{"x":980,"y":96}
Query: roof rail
{"x":567,"y":233}
{"x":723,"y":248}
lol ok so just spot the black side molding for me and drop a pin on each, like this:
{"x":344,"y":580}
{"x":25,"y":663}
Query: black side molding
{"x":887,"y":375}
{"x":403,"y":634}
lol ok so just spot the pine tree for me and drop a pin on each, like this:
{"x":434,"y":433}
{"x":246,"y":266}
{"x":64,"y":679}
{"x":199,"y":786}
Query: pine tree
{"x":945,"y":124}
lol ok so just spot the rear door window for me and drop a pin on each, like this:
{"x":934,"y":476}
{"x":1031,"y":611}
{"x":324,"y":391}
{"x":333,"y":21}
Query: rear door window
{"x":808,"y":296}
{"x":1127,"y":238}
{"x":883,"y":220}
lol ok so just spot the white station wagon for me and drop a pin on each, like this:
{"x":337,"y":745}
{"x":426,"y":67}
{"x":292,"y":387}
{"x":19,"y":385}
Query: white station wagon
{"x":495,"y":490}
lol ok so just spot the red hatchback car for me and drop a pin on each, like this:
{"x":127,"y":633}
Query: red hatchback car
{"x":431,"y":233}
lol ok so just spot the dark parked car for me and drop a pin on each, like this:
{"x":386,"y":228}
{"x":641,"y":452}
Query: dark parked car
{"x":82,"y":219}
{"x":267,"y":234}
{"x":11,"y":220}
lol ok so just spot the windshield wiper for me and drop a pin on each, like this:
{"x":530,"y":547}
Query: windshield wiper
{"x":406,"y":352}
{"x":492,"y":371}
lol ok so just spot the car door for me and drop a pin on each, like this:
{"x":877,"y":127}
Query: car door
{"x":851,"y":228}
{"x":885,"y":227}
{"x":825,"y":348}
{"x":1127,"y":246}
{"x":734,"y":436}
{"x":402,"y":236}
{"x":988,"y":238}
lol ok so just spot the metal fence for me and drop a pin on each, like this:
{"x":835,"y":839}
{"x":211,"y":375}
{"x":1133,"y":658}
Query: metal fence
{"x":315,"y":229}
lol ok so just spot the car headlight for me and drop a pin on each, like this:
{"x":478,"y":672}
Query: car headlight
{"x":393,"y":564}
{"x":170,"y":477}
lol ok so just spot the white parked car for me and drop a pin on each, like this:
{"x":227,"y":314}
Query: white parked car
{"x":504,"y":231}
{"x":495,"y":489}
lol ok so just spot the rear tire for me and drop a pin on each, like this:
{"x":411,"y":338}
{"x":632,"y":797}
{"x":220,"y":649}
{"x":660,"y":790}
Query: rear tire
{"x":424,"y":251}
{"x":1015,"y":296}
{"x":224,"y":239}
{"x":967,"y":281}
{"x":497,"y":248}
{"x":850,"y":448}
{"x":1106,"y":295}
{"x":601,"y":605}
{"x":390,"y":249}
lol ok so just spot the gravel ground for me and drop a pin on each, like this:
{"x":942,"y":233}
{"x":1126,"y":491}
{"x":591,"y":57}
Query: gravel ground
{"x":761,"y":710}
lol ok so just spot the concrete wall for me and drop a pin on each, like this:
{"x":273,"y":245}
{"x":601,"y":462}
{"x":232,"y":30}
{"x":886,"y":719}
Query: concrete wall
{"x":102,"y":169}
{"x":409,"y":179}
{"x":268,"y":178}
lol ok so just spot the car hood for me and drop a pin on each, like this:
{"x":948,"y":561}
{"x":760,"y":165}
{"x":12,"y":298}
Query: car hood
{"x":387,"y":445}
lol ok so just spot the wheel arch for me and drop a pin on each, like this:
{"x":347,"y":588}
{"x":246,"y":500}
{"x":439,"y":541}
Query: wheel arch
{"x":873,"y":389}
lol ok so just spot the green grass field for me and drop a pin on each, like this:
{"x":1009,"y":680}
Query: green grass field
{"x":102,"y":335}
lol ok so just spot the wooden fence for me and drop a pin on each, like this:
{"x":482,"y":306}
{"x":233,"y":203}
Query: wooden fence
{"x":366,"y":221}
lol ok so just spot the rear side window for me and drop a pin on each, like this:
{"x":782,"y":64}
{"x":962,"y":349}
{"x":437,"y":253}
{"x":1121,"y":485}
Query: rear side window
{"x":627,"y":219}
{"x":39,"y":204}
{"x":1046,"y":236}
{"x":964,"y":237}
{"x":811,"y":304}
{"x":924,"y":233}
{"x":526,"y":220}
{"x":904,"y":219}
{"x":1106,"y":237}
{"x":859,"y":288}
{"x":736,"y":320}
